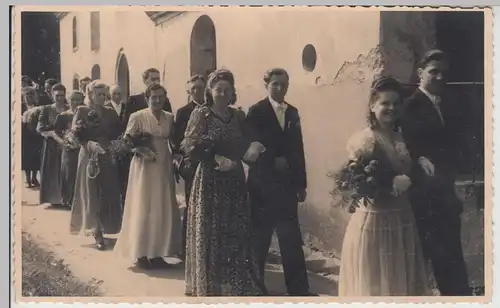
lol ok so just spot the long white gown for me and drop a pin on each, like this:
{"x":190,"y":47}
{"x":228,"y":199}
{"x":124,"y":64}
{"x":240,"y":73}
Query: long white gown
{"x":151,"y":222}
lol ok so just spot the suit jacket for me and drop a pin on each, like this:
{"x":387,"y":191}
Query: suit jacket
{"x":122,"y":111}
{"x":181,"y":120}
{"x":262,"y":125}
{"x":426,"y":135}
{"x":138,"y":102}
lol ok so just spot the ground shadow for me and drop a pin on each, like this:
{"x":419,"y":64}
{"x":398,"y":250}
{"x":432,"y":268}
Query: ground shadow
{"x":275,"y":283}
{"x":174,"y":272}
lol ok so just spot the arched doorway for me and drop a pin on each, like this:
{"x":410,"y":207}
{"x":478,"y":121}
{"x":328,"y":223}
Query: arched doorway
{"x":76,"y":82}
{"x":123,"y":74}
{"x":96,"y":72}
{"x":203,"y":47}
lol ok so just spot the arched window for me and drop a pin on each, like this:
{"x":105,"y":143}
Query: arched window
{"x":309,"y":58}
{"x":75,"y":33}
{"x":96,"y":72}
{"x":95,"y":31}
{"x":76,"y":82}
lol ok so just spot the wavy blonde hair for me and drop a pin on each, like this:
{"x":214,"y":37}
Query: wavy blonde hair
{"x":91,"y":87}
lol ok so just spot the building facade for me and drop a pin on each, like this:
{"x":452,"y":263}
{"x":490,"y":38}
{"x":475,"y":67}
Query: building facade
{"x":331,"y":56}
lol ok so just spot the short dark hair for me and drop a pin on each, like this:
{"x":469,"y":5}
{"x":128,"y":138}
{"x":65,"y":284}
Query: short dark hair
{"x":382,"y":84}
{"x":197,"y":77}
{"x":275,"y":72}
{"x":85,"y":79}
{"x":59,"y":87}
{"x":432,"y":55}
{"x":154,"y":87}
{"x":146,"y":73}
{"x":26,"y":79}
{"x":213,"y":78}
{"x":52,"y":82}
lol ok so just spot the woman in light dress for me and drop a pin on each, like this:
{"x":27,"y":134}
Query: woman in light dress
{"x":151,"y":226}
{"x":381,"y":253}
{"x":97,"y":206}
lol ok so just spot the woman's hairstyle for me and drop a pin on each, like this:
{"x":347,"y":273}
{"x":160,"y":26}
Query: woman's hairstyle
{"x":382,"y":84}
{"x":25,"y":91}
{"x":275,"y":72}
{"x":154,"y":87}
{"x":91,"y":87}
{"x":26,"y":79}
{"x":213,"y":78}
{"x":51,"y":82}
{"x":76,"y":93}
{"x":58,"y":87}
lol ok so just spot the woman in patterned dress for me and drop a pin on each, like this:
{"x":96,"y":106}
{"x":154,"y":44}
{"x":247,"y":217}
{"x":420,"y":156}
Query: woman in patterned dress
{"x":151,"y":227}
{"x":97,"y":199}
{"x":31,"y":141}
{"x":219,"y":257}
{"x":69,"y":159}
{"x":50,"y":173}
{"x":381,"y":253}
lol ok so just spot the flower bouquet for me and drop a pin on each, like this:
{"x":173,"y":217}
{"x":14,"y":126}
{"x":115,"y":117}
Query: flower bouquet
{"x":140,"y":143}
{"x":356,"y":183}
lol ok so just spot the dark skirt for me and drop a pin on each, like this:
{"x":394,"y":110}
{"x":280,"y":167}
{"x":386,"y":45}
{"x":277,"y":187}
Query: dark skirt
{"x":31,"y":149}
{"x":50,"y":172}
{"x":69,"y":165}
{"x":97,"y":201}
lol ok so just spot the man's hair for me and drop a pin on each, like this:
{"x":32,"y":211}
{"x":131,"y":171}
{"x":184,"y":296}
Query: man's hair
{"x":85,"y":79}
{"x":52,"y":82}
{"x":275,"y":72}
{"x":432,"y":55}
{"x":59,"y":87}
{"x":196,"y":77}
{"x":146,"y":73}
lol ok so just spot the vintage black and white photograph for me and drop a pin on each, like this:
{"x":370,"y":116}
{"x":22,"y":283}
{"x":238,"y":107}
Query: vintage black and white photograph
{"x":293,"y":152}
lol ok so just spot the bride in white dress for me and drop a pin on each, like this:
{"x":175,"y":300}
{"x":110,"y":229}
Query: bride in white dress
{"x":151,"y":227}
{"x":381,"y":254}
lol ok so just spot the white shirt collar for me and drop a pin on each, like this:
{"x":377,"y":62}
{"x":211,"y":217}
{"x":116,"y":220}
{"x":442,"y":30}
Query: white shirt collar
{"x":276,"y":105}
{"x":195,"y":102}
{"x":434,"y":98}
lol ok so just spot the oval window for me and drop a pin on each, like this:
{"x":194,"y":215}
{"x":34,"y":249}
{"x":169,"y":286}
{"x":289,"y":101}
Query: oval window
{"x":309,"y":58}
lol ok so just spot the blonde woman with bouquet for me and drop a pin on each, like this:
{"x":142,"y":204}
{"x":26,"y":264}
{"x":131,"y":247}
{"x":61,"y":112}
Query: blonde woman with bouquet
{"x":97,"y":201}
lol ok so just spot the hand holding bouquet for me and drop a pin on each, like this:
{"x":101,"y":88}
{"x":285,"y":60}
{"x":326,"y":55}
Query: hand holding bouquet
{"x":357,"y":183}
{"x":140,"y":143}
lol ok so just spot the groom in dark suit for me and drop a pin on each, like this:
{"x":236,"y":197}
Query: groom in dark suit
{"x":138,"y":102}
{"x":183,"y":165}
{"x":431,"y":128}
{"x":277,"y":181}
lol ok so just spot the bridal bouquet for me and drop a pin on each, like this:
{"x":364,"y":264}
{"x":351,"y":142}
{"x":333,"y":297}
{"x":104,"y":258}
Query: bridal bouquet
{"x":140,"y":143}
{"x":356,"y":183}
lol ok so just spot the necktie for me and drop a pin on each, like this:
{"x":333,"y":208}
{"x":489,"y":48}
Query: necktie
{"x":281,"y":115}
{"x":437,"y":102}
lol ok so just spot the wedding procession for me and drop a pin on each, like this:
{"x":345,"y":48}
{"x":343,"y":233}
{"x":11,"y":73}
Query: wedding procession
{"x":116,"y":163}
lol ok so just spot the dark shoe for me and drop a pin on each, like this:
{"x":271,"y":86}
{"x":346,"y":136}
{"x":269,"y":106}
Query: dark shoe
{"x":99,"y":242}
{"x":35,"y":183}
{"x":143,"y":263}
{"x":159,"y":263}
{"x":55,"y":207}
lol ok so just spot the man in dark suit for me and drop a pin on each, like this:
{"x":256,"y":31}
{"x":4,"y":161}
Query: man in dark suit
{"x":116,"y":102}
{"x":138,"y":101}
{"x":431,"y":129}
{"x":277,"y":181}
{"x":184,"y":168}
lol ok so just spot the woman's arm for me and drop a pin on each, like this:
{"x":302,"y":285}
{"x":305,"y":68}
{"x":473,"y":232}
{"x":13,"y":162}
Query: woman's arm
{"x":44,"y":124}
{"x":197,"y":144}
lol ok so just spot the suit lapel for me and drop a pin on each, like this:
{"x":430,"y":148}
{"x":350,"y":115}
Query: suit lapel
{"x":273,"y":118}
{"x":429,"y":109}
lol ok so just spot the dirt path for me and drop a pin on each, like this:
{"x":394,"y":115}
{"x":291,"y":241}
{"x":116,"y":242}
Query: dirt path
{"x":50,"y":230}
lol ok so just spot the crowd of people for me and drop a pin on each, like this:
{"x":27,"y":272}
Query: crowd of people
{"x":114,"y":162}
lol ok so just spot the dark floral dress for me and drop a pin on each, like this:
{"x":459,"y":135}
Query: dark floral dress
{"x":219,"y":257}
